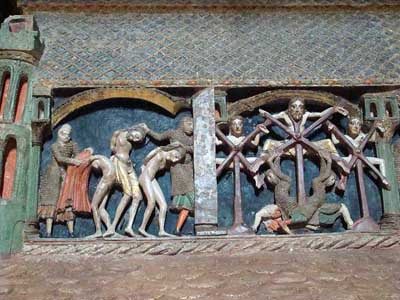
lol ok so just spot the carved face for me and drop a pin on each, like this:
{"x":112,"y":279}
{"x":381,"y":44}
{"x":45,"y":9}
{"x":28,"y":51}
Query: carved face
{"x":330,"y":180}
{"x":277,"y":214}
{"x":187,"y":125}
{"x":354,"y":127}
{"x":236,"y":127}
{"x":64,"y":133}
{"x":174,"y":155}
{"x":135,"y":136}
{"x":296,"y":110}
{"x":271,"y":177}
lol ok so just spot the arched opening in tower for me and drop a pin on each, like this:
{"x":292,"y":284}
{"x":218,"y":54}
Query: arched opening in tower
{"x":9,"y":168}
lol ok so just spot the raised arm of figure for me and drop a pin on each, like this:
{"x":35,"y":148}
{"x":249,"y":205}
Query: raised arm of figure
{"x":61,"y":159}
{"x":166,"y":135}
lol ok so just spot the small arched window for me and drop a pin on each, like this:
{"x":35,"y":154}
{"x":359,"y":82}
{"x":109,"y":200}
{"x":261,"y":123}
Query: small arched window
{"x":40,"y":111}
{"x":388,"y":110}
{"x":8,"y":169}
{"x":21,"y":99}
{"x":217,"y":111}
{"x":373,"y":111}
{"x":5,"y":86}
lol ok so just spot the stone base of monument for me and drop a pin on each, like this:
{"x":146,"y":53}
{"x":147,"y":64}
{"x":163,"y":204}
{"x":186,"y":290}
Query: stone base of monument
{"x":226,"y":245}
{"x":365,"y":224}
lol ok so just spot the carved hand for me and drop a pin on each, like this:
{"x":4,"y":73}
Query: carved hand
{"x":341,"y":110}
{"x":145,"y":127}
{"x":76,"y":162}
{"x":262,"y":128}
{"x":263,"y":113}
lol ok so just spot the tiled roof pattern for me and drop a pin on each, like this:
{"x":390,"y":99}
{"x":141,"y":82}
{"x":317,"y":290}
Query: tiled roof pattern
{"x":266,"y":47}
{"x":219,"y":2}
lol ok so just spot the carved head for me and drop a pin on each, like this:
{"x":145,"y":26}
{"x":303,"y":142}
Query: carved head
{"x":64,"y":133}
{"x":236,"y":126}
{"x":136,"y":134}
{"x":354,"y":127}
{"x":296,"y":108}
{"x":330,"y":180}
{"x":187,"y":125}
{"x":175,"y":152}
{"x":271,"y":177}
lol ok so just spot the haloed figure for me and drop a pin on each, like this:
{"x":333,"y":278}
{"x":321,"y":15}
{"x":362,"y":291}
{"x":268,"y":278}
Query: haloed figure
{"x":159,"y":159}
{"x":63,"y":152}
{"x":181,"y":172}
{"x":100,"y":197}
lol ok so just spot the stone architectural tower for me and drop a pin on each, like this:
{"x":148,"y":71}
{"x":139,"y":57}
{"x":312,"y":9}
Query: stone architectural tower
{"x":22,"y":119}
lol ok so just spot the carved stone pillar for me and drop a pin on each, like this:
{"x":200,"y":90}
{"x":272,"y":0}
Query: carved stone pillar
{"x":205,"y":179}
{"x":40,"y":128}
{"x":383,"y":108}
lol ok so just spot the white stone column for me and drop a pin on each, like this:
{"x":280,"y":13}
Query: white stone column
{"x":205,"y":179}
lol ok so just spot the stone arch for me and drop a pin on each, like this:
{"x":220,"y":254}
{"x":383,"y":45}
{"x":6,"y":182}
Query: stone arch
{"x":169,"y":103}
{"x":22,"y":93}
{"x":9,"y":168}
{"x":5,"y":87}
{"x":324,"y":98}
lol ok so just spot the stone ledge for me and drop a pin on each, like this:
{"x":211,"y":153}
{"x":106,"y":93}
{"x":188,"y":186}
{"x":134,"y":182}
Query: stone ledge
{"x":228,"y":245}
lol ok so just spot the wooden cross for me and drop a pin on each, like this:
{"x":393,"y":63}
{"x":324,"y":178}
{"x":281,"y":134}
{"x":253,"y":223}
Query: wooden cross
{"x":236,"y":155}
{"x":358,"y":159}
{"x":298,"y":140}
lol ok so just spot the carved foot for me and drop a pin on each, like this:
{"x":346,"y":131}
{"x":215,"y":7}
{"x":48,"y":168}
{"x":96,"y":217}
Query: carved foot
{"x":46,"y":236}
{"x":96,"y":235}
{"x":130,"y":232}
{"x":285,"y":227}
{"x":177,"y":233}
{"x":109,"y":233}
{"x":145,"y":234}
{"x":165,"y":234}
{"x":312,"y":227}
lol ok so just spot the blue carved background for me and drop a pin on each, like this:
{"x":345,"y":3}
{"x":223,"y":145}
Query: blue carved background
{"x":254,"y":199}
{"x":94,"y":125}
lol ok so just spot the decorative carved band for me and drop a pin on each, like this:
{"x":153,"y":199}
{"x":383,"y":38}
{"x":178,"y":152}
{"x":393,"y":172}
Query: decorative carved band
{"x":159,"y":98}
{"x":328,"y":99}
{"x":208,"y":245}
{"x":18,"y":55}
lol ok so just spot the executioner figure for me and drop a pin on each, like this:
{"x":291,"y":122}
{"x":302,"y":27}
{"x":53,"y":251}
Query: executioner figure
{"x":100,"y":197}
{"x":63,"y":153}
{"x":287,"y":211}
{"x":121,"y":147}
{"x":181,"y":172}
{"x":159,"y":159}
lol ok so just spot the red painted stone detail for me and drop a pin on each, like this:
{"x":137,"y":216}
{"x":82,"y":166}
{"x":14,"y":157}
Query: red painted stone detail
{"x":9,"y":168}
{"x":4,"y":92}
{"x":21,"y":99}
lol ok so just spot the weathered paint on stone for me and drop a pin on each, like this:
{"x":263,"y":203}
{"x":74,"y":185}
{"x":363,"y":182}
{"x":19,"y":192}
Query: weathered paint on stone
{"x":205,"y":178}
{"x":20,"y":50}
